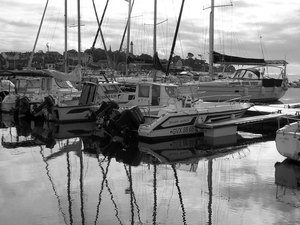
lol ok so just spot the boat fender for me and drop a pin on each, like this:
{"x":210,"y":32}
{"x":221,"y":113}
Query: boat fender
{"x":246,"y":91}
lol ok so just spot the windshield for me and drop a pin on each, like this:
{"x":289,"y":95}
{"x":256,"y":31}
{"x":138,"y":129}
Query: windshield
{"x":63,"y":84}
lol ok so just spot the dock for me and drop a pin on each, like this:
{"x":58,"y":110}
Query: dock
{"x":285,"y":109}
{"x":259,"y":114}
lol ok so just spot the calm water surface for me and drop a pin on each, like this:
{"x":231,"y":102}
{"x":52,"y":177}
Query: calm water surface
{"x":74,"y":174}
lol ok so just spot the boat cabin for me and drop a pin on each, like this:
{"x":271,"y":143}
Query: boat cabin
{"x":36,"y":88}
{"x":154,"y":94}
{"x":145,"y":94}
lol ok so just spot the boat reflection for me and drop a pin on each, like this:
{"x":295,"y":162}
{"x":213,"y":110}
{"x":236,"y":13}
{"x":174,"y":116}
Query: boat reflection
{"x":89,"y":170}
{"x":193,"y":149}
{"x":287,"y":179}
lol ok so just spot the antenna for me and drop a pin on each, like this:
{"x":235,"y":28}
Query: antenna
{"x":261,"y":47}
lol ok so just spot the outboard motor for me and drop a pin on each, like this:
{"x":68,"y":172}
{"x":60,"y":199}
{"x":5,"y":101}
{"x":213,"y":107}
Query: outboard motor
{"x":106,"y":108}
{"x":47,"y":103}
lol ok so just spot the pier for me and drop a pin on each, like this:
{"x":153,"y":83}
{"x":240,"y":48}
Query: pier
{"x":256,"y":114}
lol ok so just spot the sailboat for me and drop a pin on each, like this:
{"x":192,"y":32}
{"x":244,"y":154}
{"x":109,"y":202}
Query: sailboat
{"x":251,"y":81}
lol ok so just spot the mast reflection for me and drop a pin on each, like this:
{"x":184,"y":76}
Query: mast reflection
{"x":78,"y":155}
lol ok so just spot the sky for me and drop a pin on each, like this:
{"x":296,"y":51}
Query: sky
{"x":268,"y":29}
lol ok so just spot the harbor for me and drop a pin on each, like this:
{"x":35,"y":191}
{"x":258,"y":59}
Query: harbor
{"x":149,"y":112}
{"x":71,"y":174}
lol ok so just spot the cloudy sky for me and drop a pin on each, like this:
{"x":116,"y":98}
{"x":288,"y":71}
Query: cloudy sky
{"x":267,"y":29}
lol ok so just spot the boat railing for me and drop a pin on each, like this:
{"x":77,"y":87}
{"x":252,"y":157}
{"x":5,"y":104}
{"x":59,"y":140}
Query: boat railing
{"x":289,"y":119}
{"x":240,"y":99}
{"x":232,"y":98}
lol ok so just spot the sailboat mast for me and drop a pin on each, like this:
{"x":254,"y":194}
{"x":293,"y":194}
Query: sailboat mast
{"x":211,"y":38}
{"x":100,"y":31}
{"x":128,"y":35}
{"x":211,"y":35}
{"x":38,"y":34}
{"x":154,"y":27}
{"x":66,"y":36}
{"x":79,"y":33}
{"x":175,"y":37}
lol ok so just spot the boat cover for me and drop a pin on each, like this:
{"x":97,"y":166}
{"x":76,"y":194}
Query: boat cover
{"x":225,"y":59}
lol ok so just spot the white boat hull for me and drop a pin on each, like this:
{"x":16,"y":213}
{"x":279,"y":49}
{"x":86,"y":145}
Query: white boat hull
{"x":288,"y":141}
{"x":70,"y":113}
{"x":225,"y":90}
{"x":183,"y":123}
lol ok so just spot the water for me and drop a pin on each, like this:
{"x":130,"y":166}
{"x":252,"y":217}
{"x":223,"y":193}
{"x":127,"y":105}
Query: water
{"x":73,"y":174}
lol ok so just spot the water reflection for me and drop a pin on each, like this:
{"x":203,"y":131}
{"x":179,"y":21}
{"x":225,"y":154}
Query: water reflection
{"x":287,"y":179}
{"x":81,"y":160}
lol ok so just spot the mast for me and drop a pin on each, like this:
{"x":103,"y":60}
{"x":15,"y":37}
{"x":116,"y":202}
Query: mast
{"x":175,"y":37}
{"x":128,"y":35}
{"x":38,"y":34}
{"x":154,"y":27}
{"x":211,"y":38}
{"x":211,"y":34}
{"x":100,"y":30}
{"x":79,"y":32}
{"x":66,"y":36}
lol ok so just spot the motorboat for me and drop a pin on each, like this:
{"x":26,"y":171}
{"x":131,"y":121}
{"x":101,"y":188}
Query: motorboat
{"x":6,"y":87}
{"x":288,"y":141}
{"x":148,"y":96}
{"x":32,"y":86}
{"x":180,"y":117}
{"x":90,"y":100}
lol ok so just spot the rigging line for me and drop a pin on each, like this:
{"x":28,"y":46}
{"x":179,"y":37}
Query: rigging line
{"x":179,"y":194}
{"x":175,"y":37}
{"x":123,"y":37}
{"x":104,"y":173}
{"x":99,"y":23}
{"x":52,"y":184}
{"x":37,"y":36}
{"x":99,"y":28}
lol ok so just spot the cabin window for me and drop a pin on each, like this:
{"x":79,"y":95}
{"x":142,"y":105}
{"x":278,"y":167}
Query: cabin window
{"x":144,"y":91}
{"x":155,"y":94}
{"x":43,"y":84}
{"x":171,"y":91}
{"x":110,"y":89}
{"x":48,"y":81}
{"x":62,"y":84}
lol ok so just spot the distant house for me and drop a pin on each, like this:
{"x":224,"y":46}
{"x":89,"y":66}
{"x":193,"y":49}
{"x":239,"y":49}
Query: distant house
{"x":3,"y":62}
{"x":13,"y":59}
{"x":84,"y":57}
